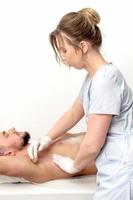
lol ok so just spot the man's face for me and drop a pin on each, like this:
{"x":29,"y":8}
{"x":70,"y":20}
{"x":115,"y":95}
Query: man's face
{"x":13,"y":140}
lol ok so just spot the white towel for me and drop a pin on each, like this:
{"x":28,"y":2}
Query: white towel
{"x":12,"y":179}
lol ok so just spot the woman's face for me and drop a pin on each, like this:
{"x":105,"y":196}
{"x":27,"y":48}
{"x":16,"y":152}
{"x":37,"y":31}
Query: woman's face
{"x":69,"y":55}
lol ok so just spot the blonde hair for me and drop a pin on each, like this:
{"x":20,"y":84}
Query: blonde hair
{"x":78,"y":26}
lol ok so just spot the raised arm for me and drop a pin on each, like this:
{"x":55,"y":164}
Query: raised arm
{"x":18,"y":166}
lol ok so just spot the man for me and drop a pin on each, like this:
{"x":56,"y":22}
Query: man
{"x":12,"y":141}
{"x":14,"y":160}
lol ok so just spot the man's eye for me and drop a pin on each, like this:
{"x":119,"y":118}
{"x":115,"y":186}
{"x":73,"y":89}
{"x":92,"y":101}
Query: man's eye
{"x":5,"y":133}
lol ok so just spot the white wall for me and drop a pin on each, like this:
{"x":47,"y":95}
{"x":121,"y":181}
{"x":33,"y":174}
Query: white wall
{"x":34,"y":90}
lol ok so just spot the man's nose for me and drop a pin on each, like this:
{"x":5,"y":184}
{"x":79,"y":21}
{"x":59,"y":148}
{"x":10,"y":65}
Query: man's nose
{"x":12,"y":130}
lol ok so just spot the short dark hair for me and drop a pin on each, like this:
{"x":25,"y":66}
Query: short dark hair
{"x":26,"y":139}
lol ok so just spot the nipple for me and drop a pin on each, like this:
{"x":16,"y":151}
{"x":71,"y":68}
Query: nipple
{"x":60,"y":142}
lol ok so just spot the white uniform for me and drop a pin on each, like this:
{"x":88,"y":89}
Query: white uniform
{"x":108,"y":93}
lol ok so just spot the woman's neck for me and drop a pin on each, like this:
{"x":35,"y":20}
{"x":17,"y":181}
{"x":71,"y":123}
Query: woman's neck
{"x":93,"y":62}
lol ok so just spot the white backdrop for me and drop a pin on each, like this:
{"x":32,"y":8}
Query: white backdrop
{"x":34,"y":90}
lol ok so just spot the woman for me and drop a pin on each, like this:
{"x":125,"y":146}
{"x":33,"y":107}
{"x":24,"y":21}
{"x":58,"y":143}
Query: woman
{"x":107,"y":103}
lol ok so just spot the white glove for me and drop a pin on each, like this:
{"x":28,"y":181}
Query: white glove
{"x":65,"y":163}
{"x":38,"y":145}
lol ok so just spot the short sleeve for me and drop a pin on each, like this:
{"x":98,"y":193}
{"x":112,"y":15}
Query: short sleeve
{"x":105,"y":97}
{"x":80,"y":95}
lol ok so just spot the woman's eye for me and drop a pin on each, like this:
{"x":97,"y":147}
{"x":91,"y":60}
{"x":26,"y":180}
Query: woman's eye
{"x":64,"y":51}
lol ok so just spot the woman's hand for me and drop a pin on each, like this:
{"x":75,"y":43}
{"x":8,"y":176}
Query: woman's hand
{"x":65,"y":163}
{"x":38,"y":145}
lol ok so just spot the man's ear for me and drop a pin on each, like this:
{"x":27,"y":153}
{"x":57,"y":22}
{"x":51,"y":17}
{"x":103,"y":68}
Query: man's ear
{"x":85,"y":46}
{"x":9,"y":153}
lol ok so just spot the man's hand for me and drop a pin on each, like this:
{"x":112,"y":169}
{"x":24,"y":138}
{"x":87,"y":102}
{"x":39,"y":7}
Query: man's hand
{"x":65,"y":163}
{"x":38,"y":145}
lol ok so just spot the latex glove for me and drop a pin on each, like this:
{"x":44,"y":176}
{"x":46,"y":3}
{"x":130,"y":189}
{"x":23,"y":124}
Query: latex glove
{"x":38,"y":145}
{"x":65,"y":163}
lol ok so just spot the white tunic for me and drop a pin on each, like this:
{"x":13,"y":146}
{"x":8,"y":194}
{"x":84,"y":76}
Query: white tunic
{"x":108,"y":93}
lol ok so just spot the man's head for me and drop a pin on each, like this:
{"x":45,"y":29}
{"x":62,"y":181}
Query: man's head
{"x":12,"y":141}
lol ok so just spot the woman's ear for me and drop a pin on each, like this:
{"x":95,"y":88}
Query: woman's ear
{"x":85,"y":46}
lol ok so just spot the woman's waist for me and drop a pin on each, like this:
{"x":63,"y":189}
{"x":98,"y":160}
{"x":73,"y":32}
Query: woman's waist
{"x":121,"y":144}
{"x":119,"y":134}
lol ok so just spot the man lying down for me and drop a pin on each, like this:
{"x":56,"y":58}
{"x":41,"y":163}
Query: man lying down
{"x":15,"y":162}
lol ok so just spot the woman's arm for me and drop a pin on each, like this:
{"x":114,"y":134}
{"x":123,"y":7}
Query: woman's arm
{"x":90,"y":147}
{"x":64,"y":124}
{"x":98,"y":125}
{"x":68,"y":120}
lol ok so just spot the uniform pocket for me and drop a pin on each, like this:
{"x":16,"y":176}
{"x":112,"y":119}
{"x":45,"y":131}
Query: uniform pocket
{"x":114,"y":150}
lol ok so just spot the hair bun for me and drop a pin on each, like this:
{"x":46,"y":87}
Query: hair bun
{"x":91,"y":15}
